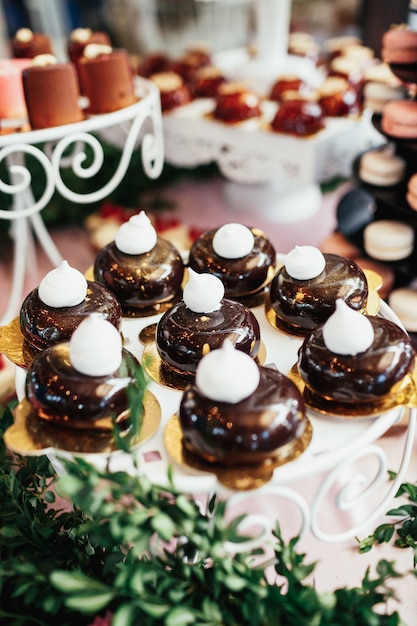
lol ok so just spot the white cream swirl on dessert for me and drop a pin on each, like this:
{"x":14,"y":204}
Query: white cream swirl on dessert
{"x":94,"y":50}
{"x":347,"y":331}
{"x":81,"y":35}
{"x":203,"y":292}
{"x":95,"y":347}
{"x":227,"y":374}
{"x":233,"y":241}
{"x":304,"y":262}
{"x":24,"y":35}
{"x":137,"y":235}
{"x":43,"y":60}
{"x":63,"y":286}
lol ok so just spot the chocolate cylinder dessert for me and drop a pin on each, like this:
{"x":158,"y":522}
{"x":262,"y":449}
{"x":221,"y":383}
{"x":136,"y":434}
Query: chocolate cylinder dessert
{"x":304,"y":291}
{"x":243,"y":258}
{"x":51,"y":93}
{"x":143,"y":270}
{"x":82,"y":383}
{"x":353,"y":358}
{"x":238,"y":413}
{"x":80,"y":38}
{"x":201,"y":322}
{"x":106,"y":79}
{"x":51,"y":312}
{"x":26,"y":44}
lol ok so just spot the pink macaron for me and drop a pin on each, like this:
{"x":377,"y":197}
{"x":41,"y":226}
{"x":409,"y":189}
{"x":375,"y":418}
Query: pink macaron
{"x":399,"y":45}
{"x":399,"y":119}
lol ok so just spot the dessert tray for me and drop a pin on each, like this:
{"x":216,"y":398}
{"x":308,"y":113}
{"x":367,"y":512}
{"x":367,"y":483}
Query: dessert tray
{"x":252,"y":154}
{"x":330,"y":444}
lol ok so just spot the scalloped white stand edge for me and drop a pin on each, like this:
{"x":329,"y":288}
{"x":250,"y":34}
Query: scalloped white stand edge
{"x":140,"y":123}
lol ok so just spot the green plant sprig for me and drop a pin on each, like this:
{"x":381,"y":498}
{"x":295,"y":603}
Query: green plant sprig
{"x":150,"y":555}
{"x":403,"y":530}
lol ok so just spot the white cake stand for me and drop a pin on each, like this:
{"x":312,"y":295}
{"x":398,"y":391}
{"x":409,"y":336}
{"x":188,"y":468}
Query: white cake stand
{"x":62,"y":147}
{"x":338,"y":449}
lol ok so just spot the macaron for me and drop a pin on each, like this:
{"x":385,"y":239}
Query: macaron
{"x":403,"y":302}
{"x":399,"y":45}
{"x":411,"y":194}
{"x":382,"y":167}
{"x":399,"y":119}
{"x":377,"y":94}
{"x":388,"y":240}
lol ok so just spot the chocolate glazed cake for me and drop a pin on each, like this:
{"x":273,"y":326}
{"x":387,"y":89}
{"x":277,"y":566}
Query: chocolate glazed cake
{"x":301,"y":305}
{"x":184,"y":336}
{"x":143,"y":270}
{"x":43,"y":325}
{"x":240,"y":276}
{"x":58,"y":393}
{"x":247,"y":432}
{"x":142,"y":280}
{"x":363,"y":377}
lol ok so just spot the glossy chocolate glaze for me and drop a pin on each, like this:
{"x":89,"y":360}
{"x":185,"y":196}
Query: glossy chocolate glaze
{"x":143,"y":280}
{"x":175,"y":98}
{"x":183,"y":337}
{"x":42,"y":325}
{"x":236,"y":106}
{"x":59,"y":393}
{"x":250,"y":431}
{"x":361,"y":378}
{"x":301,"y":305}
{"x":299,"y":118}
{"x":242,"y":276}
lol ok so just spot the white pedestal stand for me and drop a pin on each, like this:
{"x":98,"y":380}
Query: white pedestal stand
{"x":139,"y":124}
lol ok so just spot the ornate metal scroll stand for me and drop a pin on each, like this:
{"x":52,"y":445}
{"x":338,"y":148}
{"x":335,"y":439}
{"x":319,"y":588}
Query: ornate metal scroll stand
{"x":63,"y":147}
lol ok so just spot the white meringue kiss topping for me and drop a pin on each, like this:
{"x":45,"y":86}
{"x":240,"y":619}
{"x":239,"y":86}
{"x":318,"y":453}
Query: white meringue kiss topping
{"x":347,"y":331}
{"x":94,"y":50}
{"x":81,"y":35}
{"x":43,"y":60}
{"x":24,"y":35}
{"x":64,"y":286}
{"x":304,"y":262}
{"x":227,"y":374}
{"x":137,"y":235}
{"x":233,"y":241}
{"x":202,"y":292}
{"x":96,"y":347}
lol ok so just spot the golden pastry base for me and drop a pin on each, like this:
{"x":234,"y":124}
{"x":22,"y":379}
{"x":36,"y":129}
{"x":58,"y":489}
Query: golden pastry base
{"x":160,"y":373}
{"x":14,"y":346}
{"x":401,"y":394}
{"x":240,"y":478}
{"x":374,"y":281}
{"x":33,"y":436}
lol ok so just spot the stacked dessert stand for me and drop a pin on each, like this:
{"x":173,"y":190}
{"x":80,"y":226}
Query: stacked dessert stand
{"x":335,"y":443}
{"x":62,"y":147}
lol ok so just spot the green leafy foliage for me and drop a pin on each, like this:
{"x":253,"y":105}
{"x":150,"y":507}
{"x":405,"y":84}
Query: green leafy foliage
{"x":149,"y":555}
{"x":403,"y":529}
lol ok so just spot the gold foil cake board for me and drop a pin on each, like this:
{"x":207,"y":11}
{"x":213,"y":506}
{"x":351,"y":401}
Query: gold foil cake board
{"x":33,"y":436}
{"x":14,"y":346}
{"x":239,"y":478}
{"x":403,"y":393}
